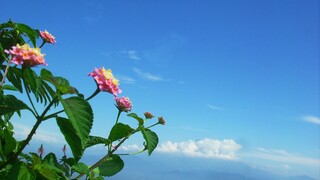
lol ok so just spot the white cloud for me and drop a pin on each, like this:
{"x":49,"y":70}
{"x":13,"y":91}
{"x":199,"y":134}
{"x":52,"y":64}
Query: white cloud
{"x":311,"y":119}
{"x":133,"y":147}
{"x":215,"y":107}
{"x":147,"y":76}
{"x":126,"y":79}
{"x":206,"y":148}
{"x":283,"y":156}
{"x":22,"y":131}
{"x":131,"y":54}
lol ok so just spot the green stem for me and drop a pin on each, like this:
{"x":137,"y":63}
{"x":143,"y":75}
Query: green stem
{"x":118,"y":116}
{"x":87,"y":99}
{"x":135,"y":153}
{"x":43,"y":42}
{"x":103,"y":159}
{"x":153,"y":125}
{"x":93,"y":94}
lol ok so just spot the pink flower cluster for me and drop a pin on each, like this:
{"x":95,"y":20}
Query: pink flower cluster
{"x":26,"y":55}
{"x":46,"y":36}
{"x":104,"y":78}
{"x":123,"y":104}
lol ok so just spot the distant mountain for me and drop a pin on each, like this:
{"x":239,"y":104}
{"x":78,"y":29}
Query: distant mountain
{"x":175,"y":168}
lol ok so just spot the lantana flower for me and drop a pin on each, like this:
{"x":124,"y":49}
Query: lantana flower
{"x":104,"y":78}
{"x":47,"y":37}
{"x":124,"y":104}
{"x":26,"y":55}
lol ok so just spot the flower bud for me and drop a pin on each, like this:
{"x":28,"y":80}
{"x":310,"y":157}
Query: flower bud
{"x":161,"y":120}
{"x":47,"y":37}
{"x":41,"y":150}
{"x":148,"y":115}
{"x":123,"y":104}
{"x":64,"y":149}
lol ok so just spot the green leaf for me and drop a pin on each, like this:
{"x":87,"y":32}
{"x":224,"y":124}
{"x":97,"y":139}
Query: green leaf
{"x":35,"y":158}
{"x":10,"y":103}
{"x":135,"y":116}
{"x":119,"y":131}
{"x":51,"y":159}
{"x":14,"y":76}
{"x":81,"y":168}
{"x":31,"y":33}
{"x":10,"y":142}
{"x":80,"y":116}
{"x":111,"y":166}
{"x":9,"y":87}
{"x":151,"y":139}
{"x":19,"y":171}
{"x":94,"y":140}
{"x":37,"y":86}
{"x":61,"y":84}
{"x":71,"y":137}
{"x":49,"y":171}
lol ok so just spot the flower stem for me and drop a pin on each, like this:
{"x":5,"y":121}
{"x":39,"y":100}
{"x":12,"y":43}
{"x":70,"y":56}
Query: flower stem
{"x":153,"y":125}
{"x":118,"y":116}
{"x":93,"y":94}
{"x":5,"y":72}
{"x":43,"y":42}
{"x":87,"y":99}
{"x":103,"y":159}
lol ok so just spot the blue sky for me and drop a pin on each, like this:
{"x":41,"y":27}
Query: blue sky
{"x":234,"y":79}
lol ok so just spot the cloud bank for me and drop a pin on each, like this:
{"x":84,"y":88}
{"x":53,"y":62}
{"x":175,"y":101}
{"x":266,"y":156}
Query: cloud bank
{"x":311,"y":119}
{"x":283,"y":156}
{"x":147,"y":76}
{"x":205,"y":148}
{"x":22,"y":131}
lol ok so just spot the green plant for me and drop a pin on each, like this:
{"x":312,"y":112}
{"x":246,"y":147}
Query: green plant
{"x":75,"y":120}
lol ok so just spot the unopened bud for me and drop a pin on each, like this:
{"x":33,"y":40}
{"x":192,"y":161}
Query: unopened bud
{"x":41,"y":150}
{"x":148,"y":115}
{"x":64,"y":149}
{"x":161,"y":120}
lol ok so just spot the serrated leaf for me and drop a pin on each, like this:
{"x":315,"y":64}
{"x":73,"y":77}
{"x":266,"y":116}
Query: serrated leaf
{"x":119,"y":131}
{"x":94,"y":140}
{"x":135,"y":116}
{"x":111,"y":166}
{"x":49,"y":171}
{"x":35,"y":158}
{"x":71,"y":137}
{"x":151,"y":139}
{"x":81,"y":168}
{"x":80,"y":116}
{"x":51,"y":159}
{"x":19,"y":171}
{"x":10,"y":103}
{"x":10,"y":142}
